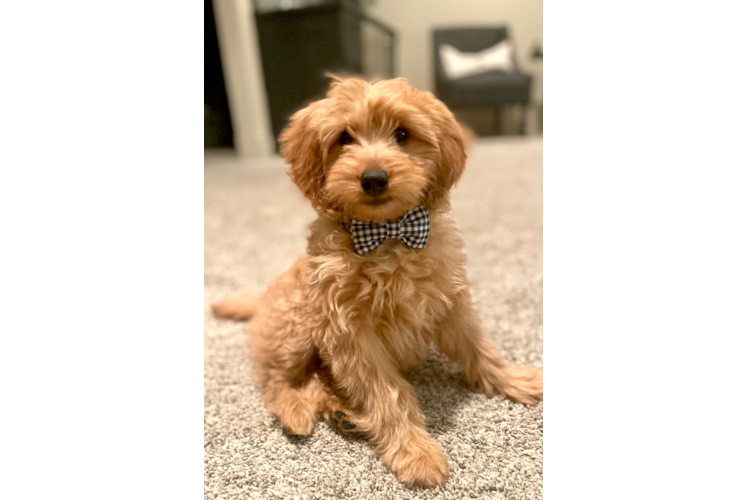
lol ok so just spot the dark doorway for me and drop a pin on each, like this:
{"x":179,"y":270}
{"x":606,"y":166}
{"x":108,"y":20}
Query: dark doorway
{"x":218,"y":131}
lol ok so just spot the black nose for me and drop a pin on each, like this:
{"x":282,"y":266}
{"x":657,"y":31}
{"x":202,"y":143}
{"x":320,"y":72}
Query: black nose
{"x":374,"y":182}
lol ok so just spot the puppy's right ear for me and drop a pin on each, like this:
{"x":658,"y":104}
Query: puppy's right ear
{"x":300,"y":146}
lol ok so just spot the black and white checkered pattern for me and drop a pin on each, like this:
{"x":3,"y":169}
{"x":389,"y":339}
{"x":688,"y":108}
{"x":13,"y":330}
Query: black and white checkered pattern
{"x":412,"y":229}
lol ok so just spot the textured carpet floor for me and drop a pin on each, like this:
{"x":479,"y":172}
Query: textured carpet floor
{"x":256,"y":225}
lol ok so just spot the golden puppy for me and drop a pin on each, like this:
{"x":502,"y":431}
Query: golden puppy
{"x":383,"y":276}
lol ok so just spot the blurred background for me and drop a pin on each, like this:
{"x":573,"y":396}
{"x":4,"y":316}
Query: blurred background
{"x":265,"y":59}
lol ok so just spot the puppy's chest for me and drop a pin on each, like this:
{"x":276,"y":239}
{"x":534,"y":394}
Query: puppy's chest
{"x":405,"y":290}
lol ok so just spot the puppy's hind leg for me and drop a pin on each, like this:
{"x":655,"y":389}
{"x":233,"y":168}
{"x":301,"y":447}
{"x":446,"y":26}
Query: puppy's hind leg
{"x":237,"y":308}
{"x":298,"y":408}
{"x":294,"y":407}
{"x":284,"y":354}
{"x":284,"y":366}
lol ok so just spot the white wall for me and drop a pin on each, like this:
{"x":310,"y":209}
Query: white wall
{"x":415,"y":20}
{"x":242,"y":68}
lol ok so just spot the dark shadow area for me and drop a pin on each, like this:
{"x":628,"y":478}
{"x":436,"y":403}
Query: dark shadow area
{"x":218,"y":130}
{"x":442,"y":391}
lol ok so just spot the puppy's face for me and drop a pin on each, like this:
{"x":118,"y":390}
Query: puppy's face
{"x":374,"y":151}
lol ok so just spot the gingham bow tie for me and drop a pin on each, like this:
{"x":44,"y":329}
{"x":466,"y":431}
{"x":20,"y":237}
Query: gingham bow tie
{"x":412,"y":229}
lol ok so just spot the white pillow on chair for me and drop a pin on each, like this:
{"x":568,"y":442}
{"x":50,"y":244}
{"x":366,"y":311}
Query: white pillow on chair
{"x":459,"y":64}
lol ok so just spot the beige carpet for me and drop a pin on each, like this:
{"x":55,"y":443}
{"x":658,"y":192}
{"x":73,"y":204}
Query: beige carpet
{"x":256,"y":225}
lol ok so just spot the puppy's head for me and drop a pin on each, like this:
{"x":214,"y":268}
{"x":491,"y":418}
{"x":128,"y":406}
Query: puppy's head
{"x":374,"y":151}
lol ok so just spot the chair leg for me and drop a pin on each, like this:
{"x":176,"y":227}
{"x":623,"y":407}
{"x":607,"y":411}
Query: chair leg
{"x":522,"y":119}
{"x":540,"y":116}
{"x":497,"y":125}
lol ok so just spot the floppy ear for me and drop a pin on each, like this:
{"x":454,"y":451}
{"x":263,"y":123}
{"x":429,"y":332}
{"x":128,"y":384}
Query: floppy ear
{"x":300,"y":146}
{"x":451,"y":162}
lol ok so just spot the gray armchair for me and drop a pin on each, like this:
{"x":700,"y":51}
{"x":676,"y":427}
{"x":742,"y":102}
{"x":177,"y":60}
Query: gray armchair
{"x":494,"y":88}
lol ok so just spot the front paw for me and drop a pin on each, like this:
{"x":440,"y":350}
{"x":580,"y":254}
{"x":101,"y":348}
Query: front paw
{"x":523,"y":384}
{"x":420,"y":461}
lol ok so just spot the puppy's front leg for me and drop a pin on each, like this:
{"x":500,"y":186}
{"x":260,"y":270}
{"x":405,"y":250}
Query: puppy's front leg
{"x":386,"y":407}
{"x":461,"y":338}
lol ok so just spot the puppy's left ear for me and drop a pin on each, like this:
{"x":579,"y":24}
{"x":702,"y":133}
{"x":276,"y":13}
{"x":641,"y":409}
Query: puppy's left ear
{"x":300,"y":147}
{"x":452,"y":155}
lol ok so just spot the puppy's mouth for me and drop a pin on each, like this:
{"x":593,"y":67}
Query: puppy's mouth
{"x":377,"y":201}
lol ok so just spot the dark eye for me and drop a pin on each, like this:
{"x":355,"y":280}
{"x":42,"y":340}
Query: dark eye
{"x":345,"y":139}
{"x":401,"y":135}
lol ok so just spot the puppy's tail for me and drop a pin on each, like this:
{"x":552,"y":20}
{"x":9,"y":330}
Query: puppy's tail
{"x":238,"y":308}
